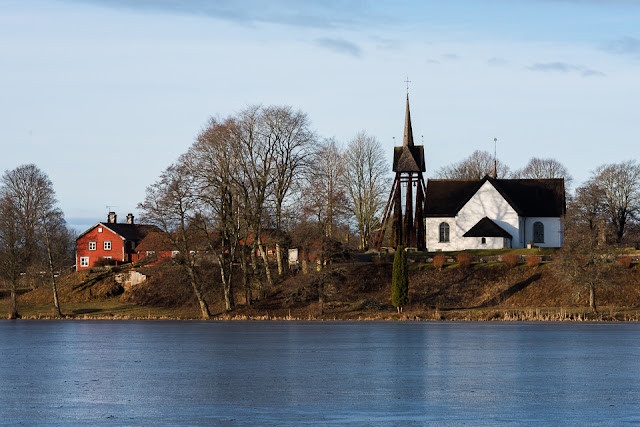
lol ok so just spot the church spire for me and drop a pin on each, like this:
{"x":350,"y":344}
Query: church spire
{"x":407,"y":141}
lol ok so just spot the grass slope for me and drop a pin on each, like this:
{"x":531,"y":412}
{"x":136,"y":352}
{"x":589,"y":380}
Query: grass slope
{"x":485,"y":291}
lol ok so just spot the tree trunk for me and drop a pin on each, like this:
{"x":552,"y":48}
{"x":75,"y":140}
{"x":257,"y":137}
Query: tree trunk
{"x":245,"y":275}
{"x":321,"y":297}
{"x":54,"y":288}
{"x":267,"y":270}
{"x":226,"y":281}
{"x":14,"y":307}
{"x":196,"y":290}
{"x":279,"y":259}
{"x":592,"y":298}
{"x":254,"y":270}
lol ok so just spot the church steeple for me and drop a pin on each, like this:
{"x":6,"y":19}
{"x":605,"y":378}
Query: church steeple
{"x":407,"y":141}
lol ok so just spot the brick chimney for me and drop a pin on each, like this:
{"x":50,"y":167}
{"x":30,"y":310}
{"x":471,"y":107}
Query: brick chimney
{"x":130,"y":218}
{"x":111,"y":218}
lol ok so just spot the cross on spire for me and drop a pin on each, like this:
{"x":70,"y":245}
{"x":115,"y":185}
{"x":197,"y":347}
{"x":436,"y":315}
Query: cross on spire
{"x":407,"y":82}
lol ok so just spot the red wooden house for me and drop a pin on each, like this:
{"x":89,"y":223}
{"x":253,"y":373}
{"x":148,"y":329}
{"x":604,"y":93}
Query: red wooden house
{"x":111,"y":241}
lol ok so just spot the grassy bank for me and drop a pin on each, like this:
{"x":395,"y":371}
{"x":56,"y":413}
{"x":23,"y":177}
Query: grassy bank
{"x":485,"y":291}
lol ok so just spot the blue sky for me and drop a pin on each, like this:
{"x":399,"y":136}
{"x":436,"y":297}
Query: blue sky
{"x":104,"y":94}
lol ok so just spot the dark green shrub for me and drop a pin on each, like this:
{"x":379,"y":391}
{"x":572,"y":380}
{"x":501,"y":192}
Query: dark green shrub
{"x":400,"y":279}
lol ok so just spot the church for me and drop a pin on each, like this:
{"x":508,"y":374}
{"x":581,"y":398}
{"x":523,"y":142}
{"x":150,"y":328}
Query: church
{"x":455,"y":215}
{"x":494,"y":213}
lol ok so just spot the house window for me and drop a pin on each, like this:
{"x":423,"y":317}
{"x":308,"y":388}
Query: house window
{"x":444,"y":232}
{"x":484,"y":241}
{"x":99,"y":229}
{"x":174,"y":253}
{"x":92,"y":246}
{"x":84,"y":261}
{"x":538,"y":232}
{"x":107,"y":257}
{"x":107,"y":246}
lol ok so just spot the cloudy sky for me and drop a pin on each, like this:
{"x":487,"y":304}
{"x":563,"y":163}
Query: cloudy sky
{"x":104,"y":94}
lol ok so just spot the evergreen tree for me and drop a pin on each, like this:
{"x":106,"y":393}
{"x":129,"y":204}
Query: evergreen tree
{"x":400,"y":279}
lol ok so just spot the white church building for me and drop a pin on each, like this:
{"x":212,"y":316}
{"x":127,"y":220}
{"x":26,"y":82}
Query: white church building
{"x":494,"y":213}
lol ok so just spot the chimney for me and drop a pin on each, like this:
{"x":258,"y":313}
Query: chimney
{"x":111,"y":218}
{"x":130,"y":218}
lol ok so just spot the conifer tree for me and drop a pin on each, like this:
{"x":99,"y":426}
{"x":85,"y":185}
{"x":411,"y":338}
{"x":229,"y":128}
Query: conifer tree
{"x":400,"y":279}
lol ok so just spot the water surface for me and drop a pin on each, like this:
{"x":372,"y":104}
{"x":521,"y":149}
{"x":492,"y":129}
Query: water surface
{"x":318,"y":373}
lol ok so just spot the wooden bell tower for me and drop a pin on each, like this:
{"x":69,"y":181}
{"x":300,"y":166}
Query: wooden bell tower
{"x":407,"y":223}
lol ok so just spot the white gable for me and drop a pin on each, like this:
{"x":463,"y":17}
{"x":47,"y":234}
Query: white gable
{"x":488,"y":202}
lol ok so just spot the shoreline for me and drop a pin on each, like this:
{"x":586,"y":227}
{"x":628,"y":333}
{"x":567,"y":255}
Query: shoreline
{"x":621,"y":315}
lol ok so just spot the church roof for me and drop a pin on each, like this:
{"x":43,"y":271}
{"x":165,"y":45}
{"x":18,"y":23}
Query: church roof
{"x":487,"y":228}
{"x":409,"y":157}
{"x":528,"y":197}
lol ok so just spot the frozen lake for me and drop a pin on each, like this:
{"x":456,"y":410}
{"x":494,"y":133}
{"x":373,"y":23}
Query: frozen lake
{"x":320,"y":373}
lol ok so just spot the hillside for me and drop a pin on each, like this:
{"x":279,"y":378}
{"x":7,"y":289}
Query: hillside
{"x":358,"y":290}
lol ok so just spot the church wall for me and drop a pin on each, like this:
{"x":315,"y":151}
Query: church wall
{"x":432,"y":233}
{"x":491,"y":243}
{"x":553,"y":231}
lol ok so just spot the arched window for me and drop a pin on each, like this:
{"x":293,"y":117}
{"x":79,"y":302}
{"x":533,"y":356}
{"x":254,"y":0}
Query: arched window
{"x":484,"y":240}
{"x":538,"y":232}
{"x":444,"y":232}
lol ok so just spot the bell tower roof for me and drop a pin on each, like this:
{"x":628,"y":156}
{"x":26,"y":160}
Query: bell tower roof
{"x":407,"y":140}
{"x":409,"y":157}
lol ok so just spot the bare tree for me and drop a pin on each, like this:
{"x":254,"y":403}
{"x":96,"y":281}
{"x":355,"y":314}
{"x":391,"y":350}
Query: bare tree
{"x":211,"y":162}
{"x":255,"y":152}
{"x":366,"y":182}
{"x":40,"y":219}
{"x":620,"y":184}
{"x":584,"y":261}
{"x":325,"y":198}
{"x":538,"y":168}
{"x":171,"y":204}
{"x":293,"y":136}
{"x":586,"y":209}
{"x":476,"y":166}
{"x":11,"y":250}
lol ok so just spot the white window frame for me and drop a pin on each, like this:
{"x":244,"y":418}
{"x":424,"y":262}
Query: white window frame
{"x":107,"y":257}
{"x":99,"y":229}
{"x":93,"y":246}
{"x":84,"y":261}
{"x":107,"y":245}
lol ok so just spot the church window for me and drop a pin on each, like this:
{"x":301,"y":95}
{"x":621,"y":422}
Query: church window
{"x":484,"y":240}
{"x":538,"y":232}
{"x":444,"y":232}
